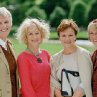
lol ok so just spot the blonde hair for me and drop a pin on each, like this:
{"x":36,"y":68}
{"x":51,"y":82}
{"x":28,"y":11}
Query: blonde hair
{"x":40,"y":24}
{"x":92,"y":23}
{"x":66,"y":23}
{"x":4,"y":12}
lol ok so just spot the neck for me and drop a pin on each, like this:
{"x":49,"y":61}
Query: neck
{"x":4,"y":39}
{"x":36,"y":53}
{"x":33,"y":50}
{"x":70,"y":50}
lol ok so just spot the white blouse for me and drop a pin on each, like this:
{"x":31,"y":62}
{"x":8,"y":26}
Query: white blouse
{"x":69,"y":62}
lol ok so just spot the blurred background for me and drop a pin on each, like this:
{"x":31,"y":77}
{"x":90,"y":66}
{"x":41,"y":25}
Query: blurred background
{"x":52,"y":11}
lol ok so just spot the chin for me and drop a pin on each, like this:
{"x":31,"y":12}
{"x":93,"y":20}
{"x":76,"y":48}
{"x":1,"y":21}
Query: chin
{"x":67,"y":46}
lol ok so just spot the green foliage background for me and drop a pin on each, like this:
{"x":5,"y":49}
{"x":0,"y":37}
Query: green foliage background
{"x":52,"y":11}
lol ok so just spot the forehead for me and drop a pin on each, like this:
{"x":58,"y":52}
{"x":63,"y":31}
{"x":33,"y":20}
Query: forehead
{"x":33,"y":27}
{"x":93,"y":27}
{"x":4,"y":17}
{"x":68,"y":30}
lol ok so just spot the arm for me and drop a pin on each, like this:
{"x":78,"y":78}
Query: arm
{"x":57,"y":93}
{"x":53,"y":79}
{"x":23,"y":68}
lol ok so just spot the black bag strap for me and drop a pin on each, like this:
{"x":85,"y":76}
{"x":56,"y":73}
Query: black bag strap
{"x":74,"y":73}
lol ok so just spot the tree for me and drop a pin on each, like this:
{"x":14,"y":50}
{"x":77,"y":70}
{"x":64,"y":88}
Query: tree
{"x":92,"y":14}
{"x":56,"y":16}
{"x":36,"y":12}
{"x":77,"y":13}
{"x":49,"y":5}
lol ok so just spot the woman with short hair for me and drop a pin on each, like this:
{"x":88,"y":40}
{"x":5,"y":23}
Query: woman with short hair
{"x":33,"y":62}
{"x":73,"y":62}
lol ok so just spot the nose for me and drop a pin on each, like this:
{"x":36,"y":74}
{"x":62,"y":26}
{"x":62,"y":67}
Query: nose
{"x":34,"y":36}
{"x":67,"y":38}
{"x":3,"y":25}
{"x":95,"y":35}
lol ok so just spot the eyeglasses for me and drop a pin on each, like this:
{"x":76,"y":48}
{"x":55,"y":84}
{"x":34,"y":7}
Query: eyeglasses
{"x":93,"y":34}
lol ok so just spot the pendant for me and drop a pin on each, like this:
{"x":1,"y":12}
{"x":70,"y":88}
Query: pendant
{"x":39,"y":60}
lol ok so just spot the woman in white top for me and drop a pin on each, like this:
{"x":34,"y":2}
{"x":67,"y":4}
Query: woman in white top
{"x":75,"y":61}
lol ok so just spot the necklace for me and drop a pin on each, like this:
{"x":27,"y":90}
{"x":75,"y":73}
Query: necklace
{"x":36,"y":55}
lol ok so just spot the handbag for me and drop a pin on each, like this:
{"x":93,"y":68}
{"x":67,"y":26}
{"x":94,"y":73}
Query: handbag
{"x":66,"y":88}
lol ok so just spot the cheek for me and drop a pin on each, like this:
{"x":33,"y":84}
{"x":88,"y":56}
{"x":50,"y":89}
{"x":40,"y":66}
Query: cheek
{"x":90,"y":38}
{"x":61,"y":39}
{"x":73,"y":39}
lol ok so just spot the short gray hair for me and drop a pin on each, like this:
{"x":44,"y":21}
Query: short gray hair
{"x":4,"y":12}
{"x":92,"y":23}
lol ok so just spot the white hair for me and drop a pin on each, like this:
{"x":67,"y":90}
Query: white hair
{"x":4,"y":12}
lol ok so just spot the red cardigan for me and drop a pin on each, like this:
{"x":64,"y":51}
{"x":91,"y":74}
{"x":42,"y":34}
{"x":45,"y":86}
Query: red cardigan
{"x":94,"y":78}
{"x":34,"y":76}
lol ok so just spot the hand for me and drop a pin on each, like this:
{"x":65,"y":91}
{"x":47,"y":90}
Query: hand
{"x":57,"y":93}
{"x":78,"y":93}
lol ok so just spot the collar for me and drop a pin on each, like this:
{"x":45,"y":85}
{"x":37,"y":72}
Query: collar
{"x":3,"y":44}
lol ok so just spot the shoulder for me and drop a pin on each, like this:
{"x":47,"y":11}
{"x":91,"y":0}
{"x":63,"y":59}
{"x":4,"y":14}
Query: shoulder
{"x":58,"y":54}
{"x":21,"y":56}
{"x":83,"y":52}
{"x":56,"y":57}
{"x":45,"y":52}
{"x":94,"y":53}
{"x":9,"y":42}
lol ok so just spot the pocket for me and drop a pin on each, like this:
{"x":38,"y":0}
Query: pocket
{"x":0,"y":93}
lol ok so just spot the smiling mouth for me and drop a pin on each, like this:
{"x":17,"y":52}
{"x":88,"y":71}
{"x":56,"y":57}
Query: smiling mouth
{"x":4,"y":30}
{"x":95,"y":40}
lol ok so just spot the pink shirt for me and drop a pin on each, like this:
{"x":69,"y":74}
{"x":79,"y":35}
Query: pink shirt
{"x":34,"y":76}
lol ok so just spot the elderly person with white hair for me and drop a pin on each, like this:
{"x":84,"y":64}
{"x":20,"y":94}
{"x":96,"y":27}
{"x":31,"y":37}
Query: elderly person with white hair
{"x":33,"y":62}
{"x":92,"y":31}
{"x":8,"y":67}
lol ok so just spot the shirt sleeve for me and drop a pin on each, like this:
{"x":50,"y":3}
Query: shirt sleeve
{"x":25,"y":80}
{"x":53,"y":78}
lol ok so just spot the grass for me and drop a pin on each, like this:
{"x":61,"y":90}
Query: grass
{"x":82,"y":35}
{"x":52,"y":48}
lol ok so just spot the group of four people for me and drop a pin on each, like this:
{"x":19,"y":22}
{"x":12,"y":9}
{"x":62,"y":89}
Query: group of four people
{"x":41,"y":75}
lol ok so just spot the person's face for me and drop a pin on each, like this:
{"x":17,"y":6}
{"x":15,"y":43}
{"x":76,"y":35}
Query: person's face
{"x":5,"y":26}
{"x":67,"y":37}
{"x":33,"y":36}
{"x":93,"y":35}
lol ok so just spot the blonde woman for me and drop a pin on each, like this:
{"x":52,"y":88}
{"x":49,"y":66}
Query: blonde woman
{"x":92,"y":31}
{"x":33,"y":62}
{"x":73,"y":62}
{"x":8,"y":67}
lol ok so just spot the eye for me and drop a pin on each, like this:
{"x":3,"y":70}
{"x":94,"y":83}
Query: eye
{"x":63,"y":36}
{"x":6,"y":22}
{"x":30,"y":33}
{"x":71,"y":35}
{"x":37,"y":33}
{"x":91,"y":33}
